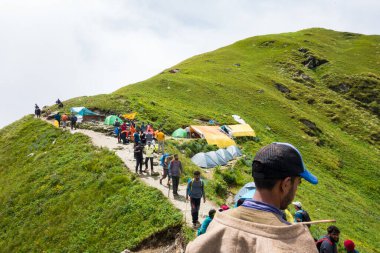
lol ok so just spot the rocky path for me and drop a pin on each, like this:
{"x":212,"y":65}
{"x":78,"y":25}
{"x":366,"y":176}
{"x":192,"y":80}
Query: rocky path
{"x":125,"y":152}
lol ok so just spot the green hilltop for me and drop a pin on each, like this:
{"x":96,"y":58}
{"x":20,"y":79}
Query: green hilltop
{"x":317,"y":89}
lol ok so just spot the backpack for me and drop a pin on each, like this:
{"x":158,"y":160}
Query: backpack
{"x":191,"y":185}
{"x":320,"y":241}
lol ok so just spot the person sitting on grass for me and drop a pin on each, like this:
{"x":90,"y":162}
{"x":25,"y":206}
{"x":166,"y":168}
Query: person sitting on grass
{"x":350,"y":246}
{"x":206,"y":222}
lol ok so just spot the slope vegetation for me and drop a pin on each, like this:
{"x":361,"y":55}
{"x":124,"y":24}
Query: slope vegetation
{"x":58,"y":193}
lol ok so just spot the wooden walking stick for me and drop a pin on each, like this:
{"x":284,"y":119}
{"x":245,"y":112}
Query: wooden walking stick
{"x":316,"y":222}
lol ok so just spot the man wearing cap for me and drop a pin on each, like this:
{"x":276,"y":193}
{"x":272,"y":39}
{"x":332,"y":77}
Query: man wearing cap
{"x":300,"y":214}
{"x":258,"y":225}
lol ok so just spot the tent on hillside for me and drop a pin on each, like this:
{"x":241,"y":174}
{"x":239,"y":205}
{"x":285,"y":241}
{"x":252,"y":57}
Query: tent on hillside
{"x":224,"y":154}
{"x":84,"y":114}
{"x":110,"y":120}
{"x":213,"y":135}
{"x":179,"y":133}
{"x":217,"y":158}
{"x":130,"y":115}
{"x":234,"y":151}
{"x":204,"y":161}
{"x":241,"y":130}
{"x":246,"y":191}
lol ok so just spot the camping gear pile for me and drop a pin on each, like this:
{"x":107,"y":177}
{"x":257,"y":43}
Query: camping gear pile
{"x":214,"y":158}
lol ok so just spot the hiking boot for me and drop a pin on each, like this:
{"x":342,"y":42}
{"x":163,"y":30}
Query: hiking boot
{"x":195,"y":226}
{"x":161,"y":181}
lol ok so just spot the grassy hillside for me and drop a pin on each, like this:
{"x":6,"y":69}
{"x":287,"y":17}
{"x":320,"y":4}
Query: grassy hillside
{"x":58,"y":193}
{"x":317,"y":89}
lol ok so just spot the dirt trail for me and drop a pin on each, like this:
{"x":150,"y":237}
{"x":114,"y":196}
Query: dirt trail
{"x":125,"y":152}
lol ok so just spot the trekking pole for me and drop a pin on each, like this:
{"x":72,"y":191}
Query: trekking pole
{"x":316,"y":222}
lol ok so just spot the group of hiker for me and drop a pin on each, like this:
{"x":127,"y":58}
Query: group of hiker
{"x":64,"y":119}
{"x":259,"y":223}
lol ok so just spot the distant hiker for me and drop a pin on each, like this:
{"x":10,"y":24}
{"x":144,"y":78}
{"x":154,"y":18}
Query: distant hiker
{"x":160,"y":136}
{"x":117,"y":129}
{"x":142,"y":137}
{"x":136,"y":137}
{"x":350,"y":246}
{"x":123,"y":134}
{"x":138,"y":152}
{"x":175,"y":170}
{"x":327,"y":244}
{"x":300,"y":214}
{"x":37,"y":111}
{"x":57,"y":117}
{"x":148,"y":150}
{"x":195,"y":189}
{"x":48,"y":112}
{"x":206,"y":222}
{"x":73,"y":122}
{"x":149,"y":137}
{"x":59,"y":103}
{"x":64,"y":119}
{"x":187,"y":129}
{"x":165,"y":168}
{"x":143,"y":127}
{"x":257,"y":225}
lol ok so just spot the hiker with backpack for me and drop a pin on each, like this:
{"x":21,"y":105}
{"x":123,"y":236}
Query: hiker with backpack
{"x":206,"y":222}
{"x":350,"y":246}
{"x":195,"y":189}
{"x":64,"y":120}
{"x":257,"y":225}
{"x":149,"y":150}
{"x":165,"y":167}
{"x":175,"y":170}
{"x":73,"y":122}
{"x":138,"y":152}
{"x":300,"y":214}
{"x":37,"y":111}
{"x":160,"y":136}
{"x":328,"y":243}
{"x":57,"y":117}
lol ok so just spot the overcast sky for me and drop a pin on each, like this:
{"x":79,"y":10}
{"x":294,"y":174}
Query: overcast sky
{"x":63,"y":49}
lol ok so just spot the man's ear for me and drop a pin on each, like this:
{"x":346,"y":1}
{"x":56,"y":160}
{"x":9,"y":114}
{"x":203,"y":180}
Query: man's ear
{"x":286,"y":184}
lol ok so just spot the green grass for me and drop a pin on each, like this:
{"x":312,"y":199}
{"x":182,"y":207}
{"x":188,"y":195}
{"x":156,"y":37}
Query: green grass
{"x":59,"y":193}
{"x":336,"y":130}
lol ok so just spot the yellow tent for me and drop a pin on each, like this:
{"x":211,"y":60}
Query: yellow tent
{"x":213,"y":135}
{"x":241,"y":130}
{"x":130,"y":115}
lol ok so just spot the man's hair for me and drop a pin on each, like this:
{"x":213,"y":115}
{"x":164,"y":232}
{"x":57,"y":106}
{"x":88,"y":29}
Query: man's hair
{"x":176,"y":156}
{"x":333,"y":230}
{"x":211,"y":213}
{"x":197,"y":173}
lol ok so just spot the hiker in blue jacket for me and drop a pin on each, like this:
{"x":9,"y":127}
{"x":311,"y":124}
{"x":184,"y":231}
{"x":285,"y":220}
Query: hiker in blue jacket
{"x":195,"y":189}
{"x":206,"y":222}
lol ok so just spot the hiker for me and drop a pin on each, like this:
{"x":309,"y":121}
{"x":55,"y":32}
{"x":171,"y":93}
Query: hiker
{"x":48,"y":112}
{"x":206,"y":222}
{"x":327,"y":244}
{"x":257,"y":224}
{"x":136,"y":137}
{"x":160,"y":136}
{"x":142,"y":137}
{"x":59,"y":103}
{"x":73,"y":122}
{"x":138,"y":152}
{"x":37,"y":111}
{"x":149,"y":150}
{"x":116,"y":129}
{"x":149,"y":137}
{"x":57,"y":117}
{"x":195,"y":189}
{"x":143,"y":127}
{"x":175,"y":170}
{"x":123,"y":134}
{"x":165,"y":166}
{"x":350,"y":246}
{"x":64,"y":119}
{"x":300,"y":214}
{"x":288,"y":216}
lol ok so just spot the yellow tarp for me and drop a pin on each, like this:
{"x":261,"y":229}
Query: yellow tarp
{"x":213,"y":135}
{"x":242,"y":130}
{"x":130,"y":115}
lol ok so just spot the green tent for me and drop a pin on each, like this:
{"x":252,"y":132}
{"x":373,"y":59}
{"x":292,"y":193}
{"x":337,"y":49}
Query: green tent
{"x":110,"y":120}
{"x":179,"y":133}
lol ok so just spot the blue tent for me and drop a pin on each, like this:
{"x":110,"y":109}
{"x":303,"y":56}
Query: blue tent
{"x":204,"y":161}
{"x":224,"y":154}
{"x":217,"y":158}
{"x":246,"y":191}
{"x":82,"y":111}
{"x":234,"y":151}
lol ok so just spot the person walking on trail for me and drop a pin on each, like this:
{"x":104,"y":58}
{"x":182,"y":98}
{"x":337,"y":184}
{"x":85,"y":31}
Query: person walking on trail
{"x":57,"y":117}
{"x":136,"y":137}
{"x":149,"y":137}
{"x":175,"y":170}
{"x":195,"y":189}
{"x":350,"y":246}
{"x":206,"y":222}
{"x":138,"y":152}
{"x":37,"y":111}
{"x":123,"y":134}
{"x":160,"y":136}
{"x":327,"y":244}
{"x":149,"y":150}
{"x":257,"y":225}
{"x":64,"y":120}
{"x":116,"y":129}
{"x":73,"y":122}
{"x":142,"y":137}
{"x":300,"y":214}
{"x":165,"y":166}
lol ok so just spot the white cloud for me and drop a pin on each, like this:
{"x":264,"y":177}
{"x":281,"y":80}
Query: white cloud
{"x":51,"y":49}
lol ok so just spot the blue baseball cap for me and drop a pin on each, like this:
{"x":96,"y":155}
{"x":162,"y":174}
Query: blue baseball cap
{"x":280,"y":160}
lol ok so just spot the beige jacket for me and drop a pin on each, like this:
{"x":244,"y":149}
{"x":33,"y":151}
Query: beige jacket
{"x":244,"y":230}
